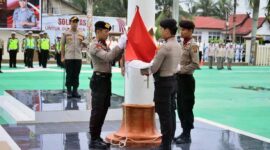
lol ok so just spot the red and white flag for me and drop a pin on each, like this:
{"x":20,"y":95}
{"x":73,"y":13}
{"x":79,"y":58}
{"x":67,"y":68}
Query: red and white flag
{"x":140,"y":44}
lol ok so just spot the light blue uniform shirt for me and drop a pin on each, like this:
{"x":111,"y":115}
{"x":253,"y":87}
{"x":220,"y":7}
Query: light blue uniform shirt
{"x":23,"y":15}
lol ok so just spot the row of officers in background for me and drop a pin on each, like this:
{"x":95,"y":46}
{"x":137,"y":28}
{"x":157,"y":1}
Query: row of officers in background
{"x":220,"y":53}
{"x":30,"y":44}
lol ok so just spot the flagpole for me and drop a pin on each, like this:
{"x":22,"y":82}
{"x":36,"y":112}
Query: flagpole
{"x":138,"y":125}
{"x":147,"y":81}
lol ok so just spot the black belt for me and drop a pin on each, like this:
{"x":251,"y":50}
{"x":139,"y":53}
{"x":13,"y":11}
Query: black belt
{"x":167,"y":78}
{"x":102,"y":74}
{"x":185,"y":75}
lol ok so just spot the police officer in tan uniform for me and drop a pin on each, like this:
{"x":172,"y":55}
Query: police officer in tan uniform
{"x":223,"y":53}
{"x":100,"y":83}
{"x":220,"y":56}
{"x":211,"y":55}
{"x":189,"y":62}
{"x":230,"y":56}
{"x":1,"y":52}
{"x":71,"y":55}
{"x":164,"y":68}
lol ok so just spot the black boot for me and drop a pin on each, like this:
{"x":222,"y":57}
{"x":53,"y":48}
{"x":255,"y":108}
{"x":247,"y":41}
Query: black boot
{"x":98,"y":143}
{"x":184,"y":138}
{"x":69,"y":93}
{"x":75,"y":93}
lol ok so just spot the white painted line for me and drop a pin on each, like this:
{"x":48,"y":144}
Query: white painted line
{"x":4,"y":136}
{"x":259,"y":71}
{"x":255,"y":136}
{"x":37,"y":69}
{"x":17,"y":110}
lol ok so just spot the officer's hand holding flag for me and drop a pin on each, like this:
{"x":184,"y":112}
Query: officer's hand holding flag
{"x":141,"y":48}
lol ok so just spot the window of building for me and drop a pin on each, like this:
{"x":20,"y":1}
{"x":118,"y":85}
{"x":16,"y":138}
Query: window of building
{"x":197,"y":35}
{"x":214,"y":35}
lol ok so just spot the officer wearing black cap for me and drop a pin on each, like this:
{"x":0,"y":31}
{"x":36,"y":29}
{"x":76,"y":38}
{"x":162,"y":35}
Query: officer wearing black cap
{"x":100,"y":83}
{"x":189,"y":62}
{"x":71,"y":55}
{"x":164,"y":68}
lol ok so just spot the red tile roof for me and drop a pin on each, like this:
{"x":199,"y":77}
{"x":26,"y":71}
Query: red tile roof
{"x":246,"y":27}
{"x":243,"y":23}
{"x":240,"y":18}
{"x":208,"y":23}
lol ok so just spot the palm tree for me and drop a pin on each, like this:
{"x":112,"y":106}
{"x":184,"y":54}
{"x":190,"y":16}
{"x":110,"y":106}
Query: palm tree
{"x":187,"y":15}
{"x":255,"y":5}
{"x":234,"y":21}
{"x":164,"y":7}
{"x":268,"y":10}
{"x":223,"y":8}
{"x":206,"y":7}
{"x":192,"y":7}
{"x":82,"y":4}
{"x":112,"y":8}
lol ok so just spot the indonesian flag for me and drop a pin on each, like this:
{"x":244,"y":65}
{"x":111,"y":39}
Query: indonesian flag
{"x":140,"y":45}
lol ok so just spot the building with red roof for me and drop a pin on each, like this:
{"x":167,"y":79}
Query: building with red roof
{"x":209,"y":27}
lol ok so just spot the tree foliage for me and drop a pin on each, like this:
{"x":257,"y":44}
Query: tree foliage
{"x":111,"y":8}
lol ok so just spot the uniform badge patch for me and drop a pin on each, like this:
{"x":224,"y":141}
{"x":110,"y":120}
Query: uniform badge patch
{"x":194,"y":48}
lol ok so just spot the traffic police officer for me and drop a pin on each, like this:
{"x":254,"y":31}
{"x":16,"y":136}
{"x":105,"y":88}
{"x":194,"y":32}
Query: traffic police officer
{"x":13,"y":48}
{"x":189,"y":61}
{"x":24,"y":47}
{"x":23,"y":17}
{"x":71,"y":55}
{"x":38,"y":47}
{"x":1,"y":52}
{"x":100,"y":84}
{"x":58,"y":51}
{"x":30,"y":47}
{"x":44,"y":49}
{"x":164,"y":68}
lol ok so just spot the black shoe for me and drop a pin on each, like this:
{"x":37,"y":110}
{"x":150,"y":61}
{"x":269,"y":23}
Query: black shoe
{"x":102,"y":141}
{"x":98,"y":144}
{"x":76,"y":94}
{"x":178,"y":137}
{"x":69,"y":95}
{"x":229,"y":68}
{"x":183,"y":139}
{"x":210,"y":67}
